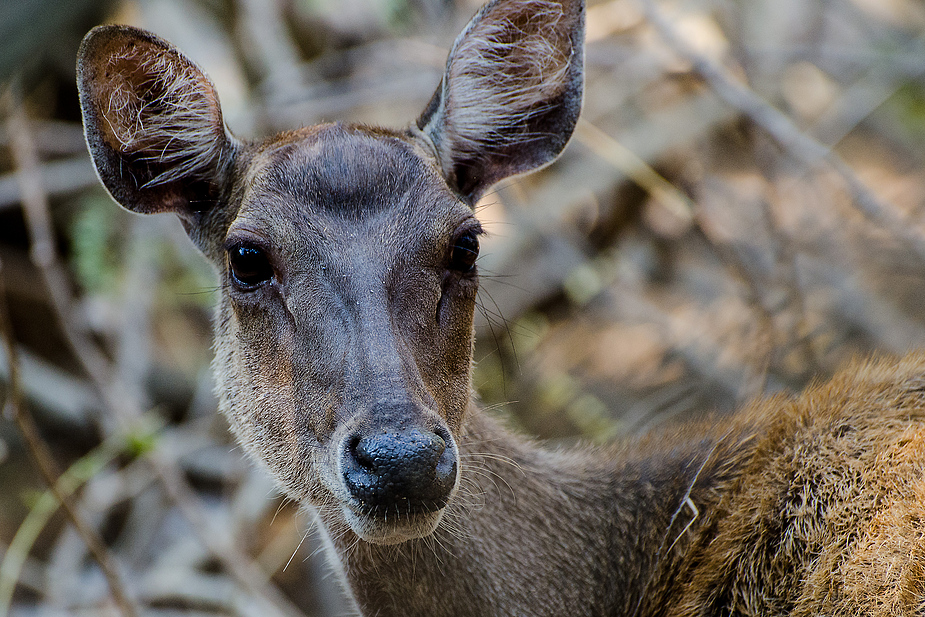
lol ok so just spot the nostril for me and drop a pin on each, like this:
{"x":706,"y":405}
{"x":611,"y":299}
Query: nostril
{"x":444,"y":435}
{"x":358,"y":449}
{"x":445,"y":467}
{"x":352,"y":443}
{"x":430,"y":445}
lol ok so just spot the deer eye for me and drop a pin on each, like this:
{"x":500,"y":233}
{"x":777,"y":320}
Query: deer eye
{"x":248,"y":266}
{"x":464,"y":251}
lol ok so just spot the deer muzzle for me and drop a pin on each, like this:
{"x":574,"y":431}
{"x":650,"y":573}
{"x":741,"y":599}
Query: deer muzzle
{"x":399,"y":471}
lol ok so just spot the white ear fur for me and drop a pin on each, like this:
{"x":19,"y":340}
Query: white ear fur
{"x":511,"y":92}
{"x":493,"y":80}
{"x":152,"y":120}
{"x":169,"y":122}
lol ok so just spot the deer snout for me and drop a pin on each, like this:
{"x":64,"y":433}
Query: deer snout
{"x":408,"y":471}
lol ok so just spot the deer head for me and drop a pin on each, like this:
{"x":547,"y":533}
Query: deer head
{"x":346,"y":254}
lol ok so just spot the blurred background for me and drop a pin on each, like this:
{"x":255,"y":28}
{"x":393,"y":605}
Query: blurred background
{"x":741,"y":211}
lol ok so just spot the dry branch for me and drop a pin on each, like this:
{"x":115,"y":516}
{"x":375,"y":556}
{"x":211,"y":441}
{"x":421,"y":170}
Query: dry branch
{"x":797,"y":143}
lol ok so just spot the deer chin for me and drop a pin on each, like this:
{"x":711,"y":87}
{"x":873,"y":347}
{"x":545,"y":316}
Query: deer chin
{"x":393,"y":528}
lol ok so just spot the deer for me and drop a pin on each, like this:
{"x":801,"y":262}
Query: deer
{"x":347,"y":256}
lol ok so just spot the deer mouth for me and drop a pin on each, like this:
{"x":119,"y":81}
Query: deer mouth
{"x":384,"y":528}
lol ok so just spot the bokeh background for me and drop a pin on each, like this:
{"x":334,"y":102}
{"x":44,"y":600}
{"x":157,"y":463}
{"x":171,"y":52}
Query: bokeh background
{"x":741,"y":211}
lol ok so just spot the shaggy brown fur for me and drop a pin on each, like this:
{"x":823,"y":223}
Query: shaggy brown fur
{"x":825,"y":516}
{"x":344,"y":350}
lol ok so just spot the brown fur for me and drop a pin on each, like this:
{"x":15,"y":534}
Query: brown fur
{"x":361,"y":330}
{"x":825,"y":517}
{"x":804,"y":506}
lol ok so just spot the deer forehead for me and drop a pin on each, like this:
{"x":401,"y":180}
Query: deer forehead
{"x":337,"y":185}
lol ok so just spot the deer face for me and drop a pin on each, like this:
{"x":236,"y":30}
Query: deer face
{"x":346,"y":253}
{"x":349,"y":285}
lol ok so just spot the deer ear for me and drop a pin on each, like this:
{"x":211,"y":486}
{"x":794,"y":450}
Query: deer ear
{"x":511,"y":93}
{"x":152,"y":122}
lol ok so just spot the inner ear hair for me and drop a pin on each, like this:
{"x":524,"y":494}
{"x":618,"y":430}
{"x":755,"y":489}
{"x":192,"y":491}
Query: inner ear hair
{"x":162,"y":111}
{"x":511,"y":93}
{"x":506,"y":70}
{"x":152,"y":118}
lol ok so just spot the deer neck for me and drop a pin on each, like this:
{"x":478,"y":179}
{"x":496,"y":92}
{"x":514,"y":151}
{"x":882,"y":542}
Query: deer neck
{"x":531,"y":527}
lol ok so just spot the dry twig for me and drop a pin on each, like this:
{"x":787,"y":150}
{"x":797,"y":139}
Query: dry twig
{"x":797,"y":143}
{"x":44,"y":460}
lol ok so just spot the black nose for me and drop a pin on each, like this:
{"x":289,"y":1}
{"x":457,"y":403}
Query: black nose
{"x":405,"y":470}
